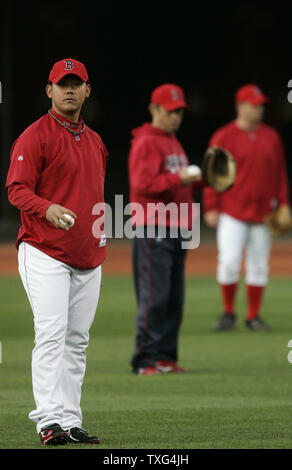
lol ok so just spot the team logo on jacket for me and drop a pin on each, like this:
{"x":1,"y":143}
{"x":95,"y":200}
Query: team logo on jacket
{"x":20,"y":158}
{"x":174,"y":163}
{"x":68,"y":64}
{"x":102,"y":241}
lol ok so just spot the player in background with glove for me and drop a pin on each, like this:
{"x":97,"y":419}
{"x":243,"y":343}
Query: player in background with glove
{"x":261,"y":187}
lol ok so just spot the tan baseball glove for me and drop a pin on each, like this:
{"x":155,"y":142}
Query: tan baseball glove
{"x":218,"y":168}
{"x":279,"y":221}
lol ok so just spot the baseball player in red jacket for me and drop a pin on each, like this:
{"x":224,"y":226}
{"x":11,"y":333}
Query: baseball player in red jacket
{"x":261,"y":186}
{"x":158,"y":173}
{"x":55,"y":178}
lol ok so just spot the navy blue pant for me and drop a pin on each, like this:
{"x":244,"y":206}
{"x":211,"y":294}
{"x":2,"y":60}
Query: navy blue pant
{"x":158,"y":269}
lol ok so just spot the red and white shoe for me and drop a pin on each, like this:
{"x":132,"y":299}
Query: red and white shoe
{"x":53,"y":434}
{"x":169,"y":366}
{"x":150,"y":370}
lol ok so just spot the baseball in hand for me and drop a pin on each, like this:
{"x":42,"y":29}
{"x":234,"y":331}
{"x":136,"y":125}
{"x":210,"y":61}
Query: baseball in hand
{"x":70,"y":219}
{"x":194,"y":170}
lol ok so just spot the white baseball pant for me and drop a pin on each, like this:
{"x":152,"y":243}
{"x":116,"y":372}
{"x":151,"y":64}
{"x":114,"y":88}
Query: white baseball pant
{"x":63,"y":301}
{"x":233,"y":236}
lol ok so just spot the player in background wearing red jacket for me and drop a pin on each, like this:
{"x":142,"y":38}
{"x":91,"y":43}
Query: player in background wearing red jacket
{"x":261,"y":186}
{"x":57,"y":169}
{"x":158,"y":174}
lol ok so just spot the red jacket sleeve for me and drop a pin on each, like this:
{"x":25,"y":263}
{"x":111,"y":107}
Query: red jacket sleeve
{"x":26,"y":200}
{"x":283,"y":186}
{"x":27,"y":160}
{"x":211,"y":198}
{"x":146,"y":174}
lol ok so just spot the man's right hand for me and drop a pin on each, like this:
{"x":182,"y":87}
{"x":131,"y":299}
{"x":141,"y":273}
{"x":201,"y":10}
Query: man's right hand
{"x":188,"y":179}
{"x":55,"y":212}
{"x":211,"y":218}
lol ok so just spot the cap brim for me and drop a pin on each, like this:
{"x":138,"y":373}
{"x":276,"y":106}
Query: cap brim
{"x":256,"y":100}
{"x":260,"y":100}
{"x":176,"y":105}
{"x":61,"y":76}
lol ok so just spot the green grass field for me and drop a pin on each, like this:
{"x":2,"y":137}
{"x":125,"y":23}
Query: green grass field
{"x":237,"y":392}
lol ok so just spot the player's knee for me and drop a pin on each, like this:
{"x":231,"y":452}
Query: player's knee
{"x":52,"y":333}
{"x":228,"y":270}
{"x":77,"y":340}
{"x":257,"y":274}
{"x":159,"y":304}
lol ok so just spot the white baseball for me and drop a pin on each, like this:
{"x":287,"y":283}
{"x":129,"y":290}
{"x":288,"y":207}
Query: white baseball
{"x":70,"y":219}
{"x":194,"y":170}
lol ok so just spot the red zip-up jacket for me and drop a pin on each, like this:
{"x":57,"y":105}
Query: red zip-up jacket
{"x":155,"y":158}
{"x":49,"y":165}
{"x":261,"y":177}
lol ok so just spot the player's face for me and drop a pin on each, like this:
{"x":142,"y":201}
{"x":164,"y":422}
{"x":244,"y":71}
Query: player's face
{"x":253,"y":113}
{"x":168,"y":121}
{"x":68,"y":95}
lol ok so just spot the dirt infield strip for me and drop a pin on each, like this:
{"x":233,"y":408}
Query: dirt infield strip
{"x":201,"y":261}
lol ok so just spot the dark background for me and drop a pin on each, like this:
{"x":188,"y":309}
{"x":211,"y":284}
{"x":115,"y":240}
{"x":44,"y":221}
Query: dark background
{"x":208,"y":48}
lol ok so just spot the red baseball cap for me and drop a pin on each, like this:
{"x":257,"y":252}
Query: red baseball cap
{"x":68,"y":67}
{"x":169,"y":96}
{"x":251,"y":93}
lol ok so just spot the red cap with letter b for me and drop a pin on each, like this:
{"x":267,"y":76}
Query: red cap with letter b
{"x":68,"y":67}
{"x":169,"y":96}
{"x":252,"y":94}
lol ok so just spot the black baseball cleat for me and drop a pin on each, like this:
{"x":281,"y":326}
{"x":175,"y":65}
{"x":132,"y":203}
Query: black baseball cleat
{"x":257,"y":324}
{"x":80,"y":436}
{"x":53,"y":435}
{"x":226,"y":322}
